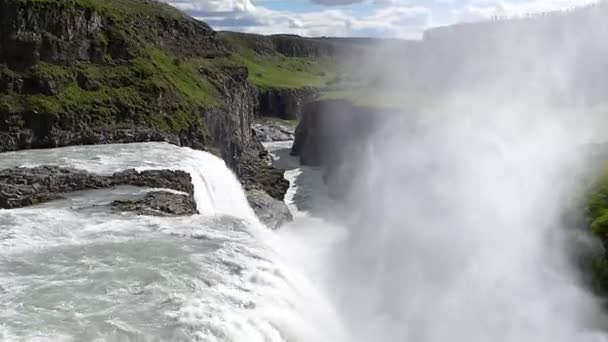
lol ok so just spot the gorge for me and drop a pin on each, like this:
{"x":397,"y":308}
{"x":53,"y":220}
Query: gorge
{"x":162,"y":181}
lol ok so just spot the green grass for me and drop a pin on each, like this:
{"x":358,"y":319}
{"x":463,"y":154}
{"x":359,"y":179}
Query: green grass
{"x":184,"y":77}
{"x":153,"y":90}
{"x":116,"y":9}
{"x":271,"y":70}
{"x":149,"y":84}
{"x":283,"y":72}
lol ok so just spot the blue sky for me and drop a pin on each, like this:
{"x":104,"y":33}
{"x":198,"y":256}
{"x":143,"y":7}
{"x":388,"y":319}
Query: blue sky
{"x":368,"y":18}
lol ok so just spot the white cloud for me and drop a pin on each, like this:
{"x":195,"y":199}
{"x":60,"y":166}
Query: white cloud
{"x":389,"y":18}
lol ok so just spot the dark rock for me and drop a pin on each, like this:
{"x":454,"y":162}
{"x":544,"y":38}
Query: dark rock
{"x":68,"y":38}
{"x":57,"y":32}
{"x":331,"y":135}
{"x":272,"y":212}
{"x":330,"y":128}
{"x":166,"y":179}
{"x":272,"y":131}
{"x":286,"y":104}
{"x":39,"y":38}
{"x":256,"y":173}
{"x":21,"y":187}
{"x":159,"y":203}
{"x":229,"y":126}
{"x":27,"y":138}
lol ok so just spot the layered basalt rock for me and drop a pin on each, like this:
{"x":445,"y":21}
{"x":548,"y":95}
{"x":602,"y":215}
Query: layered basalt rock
{"x":22,"y":187}
{"x":286,"y":104}
{"x":158,"y":203}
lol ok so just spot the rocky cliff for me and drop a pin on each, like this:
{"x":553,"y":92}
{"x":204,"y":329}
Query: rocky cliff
{"x":94,"y":72}
{"x":332,"y":133}
{"x":285,"y":104}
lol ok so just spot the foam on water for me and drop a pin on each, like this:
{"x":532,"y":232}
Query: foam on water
{"x":217,"y":190}
{"x":71,"y":270}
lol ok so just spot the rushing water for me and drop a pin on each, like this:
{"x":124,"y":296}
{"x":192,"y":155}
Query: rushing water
{"x":71,"y":270}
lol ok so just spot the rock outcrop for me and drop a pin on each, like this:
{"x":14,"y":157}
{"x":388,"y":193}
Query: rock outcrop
{"x":257,"y":173}
{"x":272,"y":212}
{"x":329,"y":129}
{"x":67,"y":31}
{"x":158,"y":203}
{"x":331,"y":135}
{"x":272,"y":131}
{"x":22,"y":187}
{"x":26,"y":139}
{"x":286,"y":104}
{"x":113,"y":71}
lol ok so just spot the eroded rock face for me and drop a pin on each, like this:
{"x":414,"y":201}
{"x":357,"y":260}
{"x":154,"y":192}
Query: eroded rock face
{"x":159,"y":203}
{"x":272,"y":212}
{"x":43,"y":31}
{"x":21,"y":187}
{"x":72,"y":34}
{"x":256,"y":173}
{"x":26,"y":138}
{"x":331,"y":135}
{"x":272,"y":131}
{"x":166,"y":179}
{"x":286,"y":104}
{"x":330,"y":129}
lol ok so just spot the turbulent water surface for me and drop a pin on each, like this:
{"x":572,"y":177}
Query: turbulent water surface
{"x":422,"y":259}
{"x":71,"y":270}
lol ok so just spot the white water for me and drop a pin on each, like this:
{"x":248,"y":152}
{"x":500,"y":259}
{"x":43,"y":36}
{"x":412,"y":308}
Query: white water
{"x":71,"y":270}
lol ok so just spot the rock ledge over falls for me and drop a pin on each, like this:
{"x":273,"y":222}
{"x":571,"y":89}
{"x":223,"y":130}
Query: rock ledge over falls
{"x":22,"y":187}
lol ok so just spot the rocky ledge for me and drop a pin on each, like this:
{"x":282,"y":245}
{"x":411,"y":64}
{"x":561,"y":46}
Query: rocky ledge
{"x":273,"y":131}
{"x":22,"y":187}
{"x":159,"y":203}
{"x":272,"y":212}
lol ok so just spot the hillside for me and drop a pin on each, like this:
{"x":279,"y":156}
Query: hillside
{"x":78,"y":72}
{"x":78,"y":64}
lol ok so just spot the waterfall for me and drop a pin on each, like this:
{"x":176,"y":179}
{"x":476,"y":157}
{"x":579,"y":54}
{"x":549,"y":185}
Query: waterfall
{"x":72,"y":270}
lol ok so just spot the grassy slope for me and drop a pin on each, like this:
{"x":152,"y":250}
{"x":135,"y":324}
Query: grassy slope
{"x":126,"y":91}
{"x":275,"y":71}
{"x":155,"y":88}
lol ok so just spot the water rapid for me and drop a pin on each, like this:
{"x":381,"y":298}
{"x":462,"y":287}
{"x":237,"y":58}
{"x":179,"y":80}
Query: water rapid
{"x":71,"y":270}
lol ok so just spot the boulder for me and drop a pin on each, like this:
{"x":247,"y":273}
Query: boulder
{"x":272,"y":212}
{"x":272,"y":131}
{"x":159,"y":203}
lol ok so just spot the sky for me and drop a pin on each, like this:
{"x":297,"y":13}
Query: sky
{"x":405,"y":19}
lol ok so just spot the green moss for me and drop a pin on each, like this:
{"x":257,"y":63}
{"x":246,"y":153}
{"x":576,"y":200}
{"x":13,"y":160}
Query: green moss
{"x":10,"y":104}
{"x":597,"y":215}
{"x":597,"y":207}
{"x":600,"y":274}
{"x":50,"y":71}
